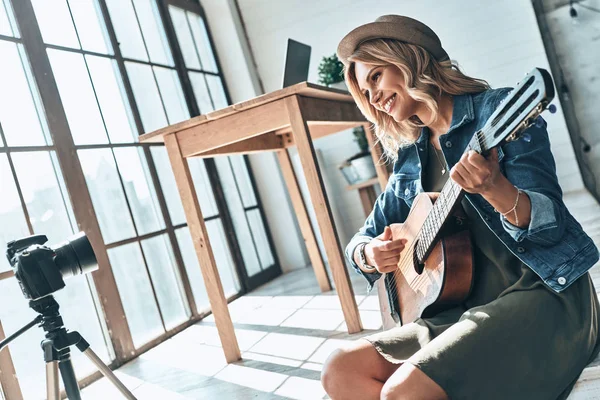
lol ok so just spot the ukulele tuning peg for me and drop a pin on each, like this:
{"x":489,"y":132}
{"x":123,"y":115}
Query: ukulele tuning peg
{"x":552,"y":108}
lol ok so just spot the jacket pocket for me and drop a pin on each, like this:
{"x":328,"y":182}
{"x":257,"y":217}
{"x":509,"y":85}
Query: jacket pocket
{"x":406,"y":187}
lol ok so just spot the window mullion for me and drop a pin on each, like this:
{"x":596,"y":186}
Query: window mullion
{"x":73,"y":175}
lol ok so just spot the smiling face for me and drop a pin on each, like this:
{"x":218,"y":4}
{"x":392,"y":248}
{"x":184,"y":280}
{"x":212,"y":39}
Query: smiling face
{"x":384,"y":88}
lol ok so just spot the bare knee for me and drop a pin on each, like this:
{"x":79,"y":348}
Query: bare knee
{"x":348,"y":365}
{"x":410,"y":383}
{"x":335,"y":370}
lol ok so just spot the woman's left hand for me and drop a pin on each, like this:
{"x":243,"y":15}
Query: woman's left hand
{"x":475,"y":173}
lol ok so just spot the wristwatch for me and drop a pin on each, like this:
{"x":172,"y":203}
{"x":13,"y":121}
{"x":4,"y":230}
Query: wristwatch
{"x":363,"y":258}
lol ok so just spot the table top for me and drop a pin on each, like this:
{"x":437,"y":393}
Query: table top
{"x":305,"y":89}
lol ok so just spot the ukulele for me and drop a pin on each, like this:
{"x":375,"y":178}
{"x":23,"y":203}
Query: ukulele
{"x":435,"y":271}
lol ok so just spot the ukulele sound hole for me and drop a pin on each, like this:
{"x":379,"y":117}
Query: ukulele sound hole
{"x":419,"y":267}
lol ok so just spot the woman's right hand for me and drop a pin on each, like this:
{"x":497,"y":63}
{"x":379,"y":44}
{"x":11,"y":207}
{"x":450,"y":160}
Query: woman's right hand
{"x":383,"y":252}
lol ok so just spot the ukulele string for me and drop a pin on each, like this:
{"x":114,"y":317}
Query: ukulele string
{"x":481,"y":135}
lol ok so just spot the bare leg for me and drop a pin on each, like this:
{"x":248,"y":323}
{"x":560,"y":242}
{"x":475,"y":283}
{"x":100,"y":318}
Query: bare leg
{"x":356,"y":371}
{"x":410,"y":383}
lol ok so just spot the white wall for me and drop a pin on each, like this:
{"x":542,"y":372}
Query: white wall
{"x":495,"y":40}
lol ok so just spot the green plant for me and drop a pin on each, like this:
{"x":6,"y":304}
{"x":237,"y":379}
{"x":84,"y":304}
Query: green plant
{"x":330,"y":70}
{"x":361,"y":139}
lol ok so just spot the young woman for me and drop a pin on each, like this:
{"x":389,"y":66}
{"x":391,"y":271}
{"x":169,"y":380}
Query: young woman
{"x":530,"y":324}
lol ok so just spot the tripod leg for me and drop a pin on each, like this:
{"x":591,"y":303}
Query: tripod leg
{"x":108,"y":374}
{"x":52,"y":387}
{"x":69,"y":379}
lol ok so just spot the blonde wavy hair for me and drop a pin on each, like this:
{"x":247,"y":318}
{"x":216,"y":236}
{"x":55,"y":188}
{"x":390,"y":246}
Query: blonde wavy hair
{"x":426,"y":79}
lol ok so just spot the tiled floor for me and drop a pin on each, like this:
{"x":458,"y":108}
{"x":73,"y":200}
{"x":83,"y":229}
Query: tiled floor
{"x":286,"y":329}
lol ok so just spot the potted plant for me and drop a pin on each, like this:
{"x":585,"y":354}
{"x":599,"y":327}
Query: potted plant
{"x":331,"y":72}
{"x":360,"y":166}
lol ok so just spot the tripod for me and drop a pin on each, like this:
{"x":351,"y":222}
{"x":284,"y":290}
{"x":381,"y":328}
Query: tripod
{"x":57,"y":353}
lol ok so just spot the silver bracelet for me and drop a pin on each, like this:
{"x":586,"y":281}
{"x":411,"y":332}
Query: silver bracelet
{"x":363,"y":258}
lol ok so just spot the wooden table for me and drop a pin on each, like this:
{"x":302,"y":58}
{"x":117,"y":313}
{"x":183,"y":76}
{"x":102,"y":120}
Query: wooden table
{"x":293,"y":116}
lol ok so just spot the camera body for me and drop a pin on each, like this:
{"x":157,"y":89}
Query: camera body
{"x":34,"y":267}
{"x":40,"y":270}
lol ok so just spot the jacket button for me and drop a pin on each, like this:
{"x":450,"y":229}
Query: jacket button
{"x":407,"y":191}
{"x":448,"y":143}
{"x":520,"y":249}
{"x":561,"y":280}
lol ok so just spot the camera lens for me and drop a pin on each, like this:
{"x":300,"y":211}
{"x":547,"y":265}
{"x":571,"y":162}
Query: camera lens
{"x":75,"y":256}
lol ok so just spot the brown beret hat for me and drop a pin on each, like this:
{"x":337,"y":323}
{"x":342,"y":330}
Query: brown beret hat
{"x":397,"y":27}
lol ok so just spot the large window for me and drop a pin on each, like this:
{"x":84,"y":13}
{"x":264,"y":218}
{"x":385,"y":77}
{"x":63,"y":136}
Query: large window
{"x":112,"y":74}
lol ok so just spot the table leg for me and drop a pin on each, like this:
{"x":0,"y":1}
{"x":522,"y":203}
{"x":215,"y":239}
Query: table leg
{"x":303,"y":220}
{"x":206,"y":259}
{"x":316,"y":189}
{"x":376,"y":152}
{"x":367,"y":199}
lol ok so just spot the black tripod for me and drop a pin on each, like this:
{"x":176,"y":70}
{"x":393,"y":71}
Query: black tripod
{"x":57,"y":352}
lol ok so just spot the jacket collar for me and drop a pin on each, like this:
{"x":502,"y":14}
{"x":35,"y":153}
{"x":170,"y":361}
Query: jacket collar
{"x":462,"y":113}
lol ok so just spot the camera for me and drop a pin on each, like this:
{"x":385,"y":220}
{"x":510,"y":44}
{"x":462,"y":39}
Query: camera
{"x":41,"y":270}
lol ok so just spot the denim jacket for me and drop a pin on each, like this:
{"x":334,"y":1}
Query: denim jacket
{"x":554,"y":245}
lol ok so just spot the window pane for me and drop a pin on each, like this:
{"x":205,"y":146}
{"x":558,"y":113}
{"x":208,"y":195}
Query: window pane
{"x":242,"y":177}
{"x":201,"y":92}
{"x":154,"y":33}
{"x":136,"y":293}
{"x":238,"y":216}
{"x":8,"y":26}
{"x":172,"y":95}
{"x":207,"y":57}
{"x":18,"y":113}
{"x":13,"y":224}
{"x":90,"y":26}
{"x":216,"y":91}
{"x":146,"y":96}
{"x":259,"y":233}
{"x":107,"y":194}
{"x":190,"y":260}
{"x":56,"y":25}
{"x":204,"y":191}
{"x":127,"y":29}
{"x":112,"y":99}
{"x":139,"y":189}
{"x":168,"y":184}
{"x":78,"y":98}
{"x":46,"y":204}
{"x":63,"y":190}
{"x":167,"y":283}
{"x":184,"y":37}
{"x":220,"y":248}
